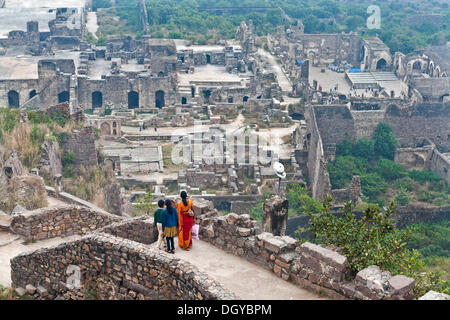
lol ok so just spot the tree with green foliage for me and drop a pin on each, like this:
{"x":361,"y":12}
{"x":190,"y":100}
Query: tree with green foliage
{"x":385,"y":141}
{"x":373,"y":240}
{"x":146,"y":204}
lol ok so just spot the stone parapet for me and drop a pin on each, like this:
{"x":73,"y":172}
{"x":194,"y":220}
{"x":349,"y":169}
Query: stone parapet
{"x":60,"y":221}
{"x":110,"y":267}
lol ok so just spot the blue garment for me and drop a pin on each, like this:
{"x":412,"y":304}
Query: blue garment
{"x":169,"y":220}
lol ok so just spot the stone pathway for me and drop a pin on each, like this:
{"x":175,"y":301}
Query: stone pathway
{"x":16,"y":246}
{"x":92,"y":25}
{"x":247,"y":280}
{"x":283,"y":81}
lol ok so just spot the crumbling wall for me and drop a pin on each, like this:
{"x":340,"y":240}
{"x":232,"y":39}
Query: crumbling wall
{"x":439,"y":164}
{"x":115,"y":268}
{"x":82,"y":144}
{"x":141,"y":230}
{"x":319,"y":179}
{"x":60,"y":221}
{"x":307,"y":265}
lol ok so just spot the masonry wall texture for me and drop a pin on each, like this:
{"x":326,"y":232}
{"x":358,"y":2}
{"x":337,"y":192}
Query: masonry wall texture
{"x":115,"y":268}
{"x":82,"y":144}
{"x":116,"y":262}
{"x":307,"y":265}
{"x":317,"y":166}
{"x":60,"y":221}
{"x":410,"y":124}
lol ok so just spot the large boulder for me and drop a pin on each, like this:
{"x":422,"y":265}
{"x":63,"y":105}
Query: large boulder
{"x":50,"y":162}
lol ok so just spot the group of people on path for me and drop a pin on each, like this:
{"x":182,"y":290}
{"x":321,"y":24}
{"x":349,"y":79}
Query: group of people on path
{"x":175,"y":221}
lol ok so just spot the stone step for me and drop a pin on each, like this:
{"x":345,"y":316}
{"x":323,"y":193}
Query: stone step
{"x":5,"y":223}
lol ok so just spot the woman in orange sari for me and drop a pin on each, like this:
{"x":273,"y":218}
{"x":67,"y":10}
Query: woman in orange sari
{"x":186,"y":219}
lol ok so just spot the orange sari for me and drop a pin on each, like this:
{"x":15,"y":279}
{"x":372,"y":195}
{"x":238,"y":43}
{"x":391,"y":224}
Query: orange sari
{"x":185,"y":222}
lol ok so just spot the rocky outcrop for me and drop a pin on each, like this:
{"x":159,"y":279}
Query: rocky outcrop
{"x":276,"y":215}
{"x":50,"y":162}
{"x":19,"y":187}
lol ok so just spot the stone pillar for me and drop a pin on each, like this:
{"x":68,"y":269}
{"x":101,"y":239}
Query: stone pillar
{"x":355,"y":189}
{"x":275,"y":215}
{"x":58,"y":184}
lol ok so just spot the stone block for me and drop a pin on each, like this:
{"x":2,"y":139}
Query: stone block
{"x":274,"y":245}
{"x":244,"y":232}
{"x":30,"y":289}
{"x":20,"y":291}
{"x":433,"y":295}
{"x":232,"y":218}
{"x":329,"y":256}
{"x":374,"y":280}
{"x":401,"y":285}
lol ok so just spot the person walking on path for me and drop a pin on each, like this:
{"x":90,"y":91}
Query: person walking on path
{"x":158,"y":220}
{"x":170,"y":225}
{"x":186,"y":218}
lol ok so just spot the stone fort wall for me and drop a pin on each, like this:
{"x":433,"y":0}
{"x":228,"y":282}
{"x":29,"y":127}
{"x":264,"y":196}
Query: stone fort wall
{"x":115,"y":268}
{"x":60,"y":221}
{"x":410,"y":124}
{"x":317,"y":167}
{"x":306,"y":265}
{"x":116,"y":262}
{"x":115,"y":89}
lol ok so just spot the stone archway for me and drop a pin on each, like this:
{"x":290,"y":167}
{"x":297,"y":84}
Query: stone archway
{"x":207,"y":95}
{"x":63,"y":97}
{"x":105,"y":129}
{"x":32,"y":94}
{"x":245,"y":99}
{"x":159,"y":99}
{"x":417,"y":66}
{"x":13,"y":99}
{"x":133,"y":100}
{"x":381,"y":65}
{"x":208,"y":59}
{"x":97,"y":99}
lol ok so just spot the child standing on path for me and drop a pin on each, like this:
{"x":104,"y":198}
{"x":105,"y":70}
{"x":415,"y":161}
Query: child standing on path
{"x":170,"y":225}
{"x":158,"y":221}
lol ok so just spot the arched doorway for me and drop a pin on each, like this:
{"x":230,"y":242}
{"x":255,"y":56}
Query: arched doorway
{"x":13,"y":99}
{"x":207,"y":95}
{"x":32,"y":94}
{"x":417,"y":66}
{"x":193,"y":92}
{"x":63,"y":97}
{"x":133,"y":100}
{"x":161,"y":74}
{"x":245,"y":99}
{"x":208,"y":59}
{"x":183,"y":100}
{"x":230,"y":99}
{"x":97,"y":99}
{"x":381,"y":65}
{"x":105,"y":129}
{"x":159,"y":99}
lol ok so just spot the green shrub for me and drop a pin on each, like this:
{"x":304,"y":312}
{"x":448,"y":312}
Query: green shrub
{"x":405,"y":183}
{"x":390,"y":170}
{"x":424,"y":176}
{"x":374,"y":240}
{"x":385,"y":142}
{"x":300,"y":201}
{"x":403,"y":197}
{"x":373,"y":185}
